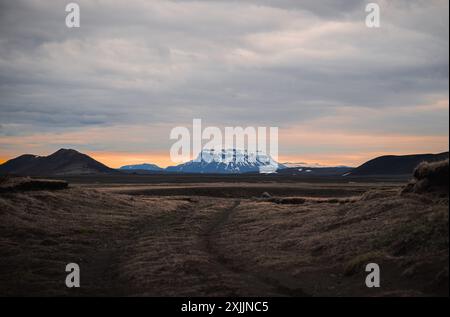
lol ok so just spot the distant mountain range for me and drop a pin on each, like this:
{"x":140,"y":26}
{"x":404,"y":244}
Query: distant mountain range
{"x":62,"y":162}
{"x":141,"y":167}
{"x":228,"y":162}
{"x":70,"y":162}
{"x":316,"y":171}
{"x":309,"y":165}
{"x":395,"y":164}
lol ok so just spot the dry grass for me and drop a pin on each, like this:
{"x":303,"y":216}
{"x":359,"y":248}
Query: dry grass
{"x":315,"y":245}
{"x":358,"y":263}
{"x":430,"y":177}
{"x":18,"y":184}
{"x":42,"y":231}
{"x":198,"y":245}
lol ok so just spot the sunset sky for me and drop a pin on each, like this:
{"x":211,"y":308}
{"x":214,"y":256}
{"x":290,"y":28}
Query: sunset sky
{"x":340,"y":93}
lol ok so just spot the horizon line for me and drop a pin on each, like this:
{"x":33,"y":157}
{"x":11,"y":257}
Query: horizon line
{"x":108,"y":158}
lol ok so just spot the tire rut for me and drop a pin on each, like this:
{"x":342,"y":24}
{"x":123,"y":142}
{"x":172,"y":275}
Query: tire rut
{"x":260,"y":282}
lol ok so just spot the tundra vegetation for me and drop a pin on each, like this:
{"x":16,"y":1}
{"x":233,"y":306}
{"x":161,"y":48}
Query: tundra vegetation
{"x":180,"y":239}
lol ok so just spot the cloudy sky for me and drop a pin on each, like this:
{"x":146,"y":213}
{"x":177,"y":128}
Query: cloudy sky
{"x":340,"y":93}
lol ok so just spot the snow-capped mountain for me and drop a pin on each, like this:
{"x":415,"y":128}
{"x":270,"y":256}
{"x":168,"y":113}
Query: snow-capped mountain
{"x":143,"y":167}
{"x":228,"y":161}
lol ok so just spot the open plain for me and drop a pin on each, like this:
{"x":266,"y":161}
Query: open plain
{"x":224,"y":238}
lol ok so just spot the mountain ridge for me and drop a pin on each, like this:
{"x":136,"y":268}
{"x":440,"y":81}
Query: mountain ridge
{"x":395,"y":164}
{"x":71,"y":162}
{"x":60,"y":163}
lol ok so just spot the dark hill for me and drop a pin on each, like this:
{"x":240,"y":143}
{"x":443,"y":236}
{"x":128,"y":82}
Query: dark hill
{"x":395,"y":165}
{"x":62,"y":162}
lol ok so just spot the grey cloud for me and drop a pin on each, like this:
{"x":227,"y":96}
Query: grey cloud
{"x":324,"y":8}
{"x":228,"y":62}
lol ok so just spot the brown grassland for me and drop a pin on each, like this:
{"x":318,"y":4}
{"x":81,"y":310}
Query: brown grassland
{"x":224,"y":239}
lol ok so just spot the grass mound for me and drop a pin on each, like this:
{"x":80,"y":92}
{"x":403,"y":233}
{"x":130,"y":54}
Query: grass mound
{"x":430,"y":177}
{"x":18,"y":184}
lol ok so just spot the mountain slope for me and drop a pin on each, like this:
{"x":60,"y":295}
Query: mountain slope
{"x":18,"y":165}
{"x":227,"y":162}
{"x":395,"y":165}
{"x":62,"y":162}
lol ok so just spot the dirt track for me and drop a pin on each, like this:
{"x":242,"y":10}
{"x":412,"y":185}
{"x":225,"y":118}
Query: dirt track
{"x":106,"y":264}
{"x":264,"y":284}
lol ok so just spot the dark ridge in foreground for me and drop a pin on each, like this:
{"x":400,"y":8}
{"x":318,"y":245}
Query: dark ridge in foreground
{"x":396,"y":164}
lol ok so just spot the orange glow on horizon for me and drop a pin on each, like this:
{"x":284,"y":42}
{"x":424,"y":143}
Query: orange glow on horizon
{"x":311,"y":144}
{"x":118,"y":159}
{"x":162,"y":159}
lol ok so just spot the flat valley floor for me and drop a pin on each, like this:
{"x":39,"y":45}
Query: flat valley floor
{"x":224,"y":238}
